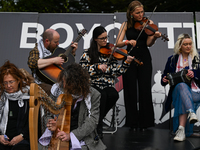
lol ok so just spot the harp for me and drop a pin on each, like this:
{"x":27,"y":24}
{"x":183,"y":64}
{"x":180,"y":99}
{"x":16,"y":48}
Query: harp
{"x":41,"y":104}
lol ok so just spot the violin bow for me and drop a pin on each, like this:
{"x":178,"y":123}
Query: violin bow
{"x":113,"y":50}
{"x":111,"y":55}
{"x":143,"y":28}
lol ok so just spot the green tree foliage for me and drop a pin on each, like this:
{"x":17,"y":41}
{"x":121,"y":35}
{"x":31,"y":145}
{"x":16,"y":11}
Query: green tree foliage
{"x":7,"y":5}
{"x":172,"y":5}
{"x":95,"y":6}
{"x":107,"y":6}
{"x":42,"y":6}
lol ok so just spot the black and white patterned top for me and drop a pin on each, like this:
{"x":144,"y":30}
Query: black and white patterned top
{"x":98,"y":78}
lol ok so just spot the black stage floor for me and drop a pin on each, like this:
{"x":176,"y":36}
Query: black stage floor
{"x":151,"y":139}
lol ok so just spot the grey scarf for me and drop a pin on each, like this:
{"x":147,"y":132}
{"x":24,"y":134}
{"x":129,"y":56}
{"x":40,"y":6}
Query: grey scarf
{"x":4,"y":105}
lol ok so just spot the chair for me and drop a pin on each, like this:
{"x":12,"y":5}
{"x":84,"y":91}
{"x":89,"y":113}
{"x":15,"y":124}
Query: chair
{"x":171,"y":120}
{"x":112,"y":128}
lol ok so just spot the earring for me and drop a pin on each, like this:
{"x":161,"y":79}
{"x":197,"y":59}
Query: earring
{"x":131,"y":16}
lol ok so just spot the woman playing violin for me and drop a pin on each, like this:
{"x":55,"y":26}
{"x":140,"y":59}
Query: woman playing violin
{"x":137,"y":79}
{"x":103,"y":74}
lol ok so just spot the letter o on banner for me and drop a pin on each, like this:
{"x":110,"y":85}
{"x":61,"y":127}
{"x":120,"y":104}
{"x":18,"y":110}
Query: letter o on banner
{"x":69,"y":31}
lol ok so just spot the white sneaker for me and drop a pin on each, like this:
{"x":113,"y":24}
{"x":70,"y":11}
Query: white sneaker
{"x":180,"y":134}
{"x":193,"y":118}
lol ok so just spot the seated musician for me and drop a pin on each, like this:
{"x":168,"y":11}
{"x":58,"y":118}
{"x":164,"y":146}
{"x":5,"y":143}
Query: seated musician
{"x":183,"y":95}
{"x":45,"y":47}
{"x":103,"y":70}
{"x":14,"y":108}
{"x":85,"y":108}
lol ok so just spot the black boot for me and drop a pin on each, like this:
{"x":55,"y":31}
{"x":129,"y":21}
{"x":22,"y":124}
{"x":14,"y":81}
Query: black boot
{"x":100,"y":130}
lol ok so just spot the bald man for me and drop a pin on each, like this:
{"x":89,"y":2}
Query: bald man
{"x":45,"y":47}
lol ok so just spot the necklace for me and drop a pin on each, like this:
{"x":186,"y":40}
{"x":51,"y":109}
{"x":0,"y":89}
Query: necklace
{"x":185,"y":62}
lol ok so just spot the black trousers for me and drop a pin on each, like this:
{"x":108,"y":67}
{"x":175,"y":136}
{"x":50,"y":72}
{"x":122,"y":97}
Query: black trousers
{"x":16,"y":147}
{"x":109,"y":97}
{"x":137,"y":90}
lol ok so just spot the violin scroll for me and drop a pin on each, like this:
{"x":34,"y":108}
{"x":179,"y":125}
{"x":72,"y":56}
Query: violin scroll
{"x":164,"y":37}
{"x":138,"y":62}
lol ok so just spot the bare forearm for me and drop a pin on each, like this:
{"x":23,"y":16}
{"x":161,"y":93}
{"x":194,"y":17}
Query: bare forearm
{"x":151,"y":40}
{"x":45,"y":62}
{"x":121,"y":35}
{"x":120,"y":44}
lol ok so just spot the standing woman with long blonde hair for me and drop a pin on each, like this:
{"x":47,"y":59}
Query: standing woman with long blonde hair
{"x":137,"y":79}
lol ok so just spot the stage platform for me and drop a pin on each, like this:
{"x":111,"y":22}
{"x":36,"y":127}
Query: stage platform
{"x":151,"y":139}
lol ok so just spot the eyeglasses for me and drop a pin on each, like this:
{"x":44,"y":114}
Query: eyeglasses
{"x":103,"y":38}
{"x":8,"y":83}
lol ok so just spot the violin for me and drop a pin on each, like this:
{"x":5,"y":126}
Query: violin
{"x":118,"y":54}
{"x":149,"y":29}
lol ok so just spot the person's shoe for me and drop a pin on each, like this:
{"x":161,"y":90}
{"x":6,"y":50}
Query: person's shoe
{"x":100,"y":133}
{"x":180,"y":134}
{"x":193,"y":118}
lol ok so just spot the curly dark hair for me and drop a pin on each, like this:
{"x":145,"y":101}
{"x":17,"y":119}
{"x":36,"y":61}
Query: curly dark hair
{"x":10,"y":68}
{"x":75,"y":80}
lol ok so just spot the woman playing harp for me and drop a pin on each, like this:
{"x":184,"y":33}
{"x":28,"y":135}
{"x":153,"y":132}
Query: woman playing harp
{"x":85,"y":109}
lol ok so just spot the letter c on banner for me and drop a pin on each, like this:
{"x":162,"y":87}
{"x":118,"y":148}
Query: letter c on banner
{"x":68,"y":29}
{"x":110,"y":27}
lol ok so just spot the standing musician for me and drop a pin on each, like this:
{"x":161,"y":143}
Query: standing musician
{"x":45,"y":47}
{"x":103,"y":70}
{"x":183,"y":96}
{"x":74,"y":80}
{"x":137,"y":79}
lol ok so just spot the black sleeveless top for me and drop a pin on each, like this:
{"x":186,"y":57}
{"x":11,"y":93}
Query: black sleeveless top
{"x":140,"y":50}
